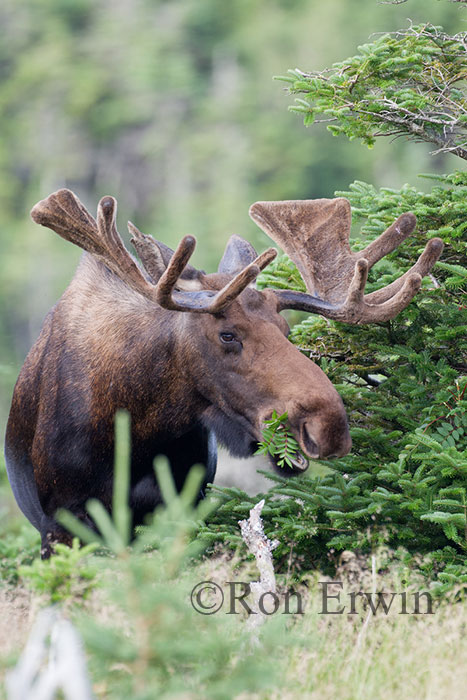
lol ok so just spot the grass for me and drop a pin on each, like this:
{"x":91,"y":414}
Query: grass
{"x":350,"y":657}
{"x":395,"y":657}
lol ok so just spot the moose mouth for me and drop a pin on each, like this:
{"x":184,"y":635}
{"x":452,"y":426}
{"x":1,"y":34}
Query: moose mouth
{"x":298,"y":463}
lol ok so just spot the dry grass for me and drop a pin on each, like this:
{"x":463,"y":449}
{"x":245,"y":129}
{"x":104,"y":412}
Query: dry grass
{"x":15,"y":619}
{"x":399,"y":656}
{"x":421,"y":657}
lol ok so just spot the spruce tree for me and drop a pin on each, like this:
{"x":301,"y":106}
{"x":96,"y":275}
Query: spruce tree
{"x":404,"y":382}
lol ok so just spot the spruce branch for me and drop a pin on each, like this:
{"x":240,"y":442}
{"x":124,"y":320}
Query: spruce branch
{"x":278,"y":441}
{"x":404,"y":83}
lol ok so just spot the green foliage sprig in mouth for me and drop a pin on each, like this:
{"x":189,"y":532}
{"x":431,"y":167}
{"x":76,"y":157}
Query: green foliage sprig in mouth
{"x":279,"y":442}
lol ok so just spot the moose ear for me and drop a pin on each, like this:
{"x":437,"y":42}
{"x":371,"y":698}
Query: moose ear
{"x":238,"y":254}
{"x":156,"y":256}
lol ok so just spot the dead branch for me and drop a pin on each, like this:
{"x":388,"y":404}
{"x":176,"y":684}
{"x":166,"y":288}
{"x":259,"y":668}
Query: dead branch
{"x":262,"y":548}
{"x":52,"y":661}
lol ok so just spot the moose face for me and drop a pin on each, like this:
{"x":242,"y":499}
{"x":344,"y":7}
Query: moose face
{"x":243,"y":364}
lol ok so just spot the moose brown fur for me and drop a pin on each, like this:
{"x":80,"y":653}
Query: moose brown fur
{"x":192,"y":356}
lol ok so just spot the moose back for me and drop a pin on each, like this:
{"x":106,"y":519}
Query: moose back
{"x":193,"y":357}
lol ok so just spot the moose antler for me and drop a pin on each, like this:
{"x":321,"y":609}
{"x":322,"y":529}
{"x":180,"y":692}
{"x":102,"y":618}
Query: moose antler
{"x":155,"y":256}
{"x":210,"y":302}
{"x":315,"y":234}
{"x":63,"y":212}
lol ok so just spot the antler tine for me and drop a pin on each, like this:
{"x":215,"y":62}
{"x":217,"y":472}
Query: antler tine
{"x":389,"y":309}
{"x":165,"y":287}
{"x":425,"y":262}
{"x":155,"y":256}
{"x":356,"y":308}
{"x":315,"y":234}
{"x":204,"y":301}
{"x":116,"y":255}
{"x":242,"y":280}
{"x":390,"y":239}
{"x":265,"y":258}
{"x":148,"y":252}
{"x":63,"y":212}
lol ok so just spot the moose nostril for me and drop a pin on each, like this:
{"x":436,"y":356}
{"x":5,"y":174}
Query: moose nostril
{"x":328,"y":446}
{"x":309,"y":443}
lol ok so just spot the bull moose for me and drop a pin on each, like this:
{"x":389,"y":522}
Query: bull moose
{"x":193,"y":357}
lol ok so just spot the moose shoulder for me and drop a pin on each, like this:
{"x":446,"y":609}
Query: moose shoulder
{"x":193,"y":357}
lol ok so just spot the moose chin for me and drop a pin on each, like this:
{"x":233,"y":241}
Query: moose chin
{"x":193,"y":357}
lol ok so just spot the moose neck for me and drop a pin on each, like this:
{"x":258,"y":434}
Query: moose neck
{"x":110,"y":322}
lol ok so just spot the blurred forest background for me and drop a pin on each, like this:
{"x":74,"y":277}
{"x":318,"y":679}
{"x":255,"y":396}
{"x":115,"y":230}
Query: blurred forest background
{"x":170,"y":106}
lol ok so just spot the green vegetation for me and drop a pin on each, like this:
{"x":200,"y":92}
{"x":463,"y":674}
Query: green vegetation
{"x":407,"y":83}
{"x":17,"y":548}
{"x":278,"y":440}
{"x":404,"y":382}
{"x":67,"y":576}
{"x":144,"y":637}
{"x":169,"y":106}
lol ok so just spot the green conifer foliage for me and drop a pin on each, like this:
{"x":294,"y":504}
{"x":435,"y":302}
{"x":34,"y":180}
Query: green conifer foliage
{"x":409,"y":82}
{"x":278,"y":440}
{"x":404,"y":382}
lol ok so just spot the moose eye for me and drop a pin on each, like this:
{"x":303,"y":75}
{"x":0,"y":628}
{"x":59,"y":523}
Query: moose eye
{"x":227,"y":337}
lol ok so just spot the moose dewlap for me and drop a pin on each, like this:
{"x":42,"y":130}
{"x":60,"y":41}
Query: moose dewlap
{"x":193,"y":357}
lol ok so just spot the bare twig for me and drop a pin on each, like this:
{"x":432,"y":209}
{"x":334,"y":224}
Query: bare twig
{"x":53,"y":660}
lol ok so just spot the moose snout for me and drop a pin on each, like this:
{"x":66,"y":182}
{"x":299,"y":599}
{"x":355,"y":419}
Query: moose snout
{"x":319,"y":436}
{"x":315,"y":412}
{"x":324,"y":440}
